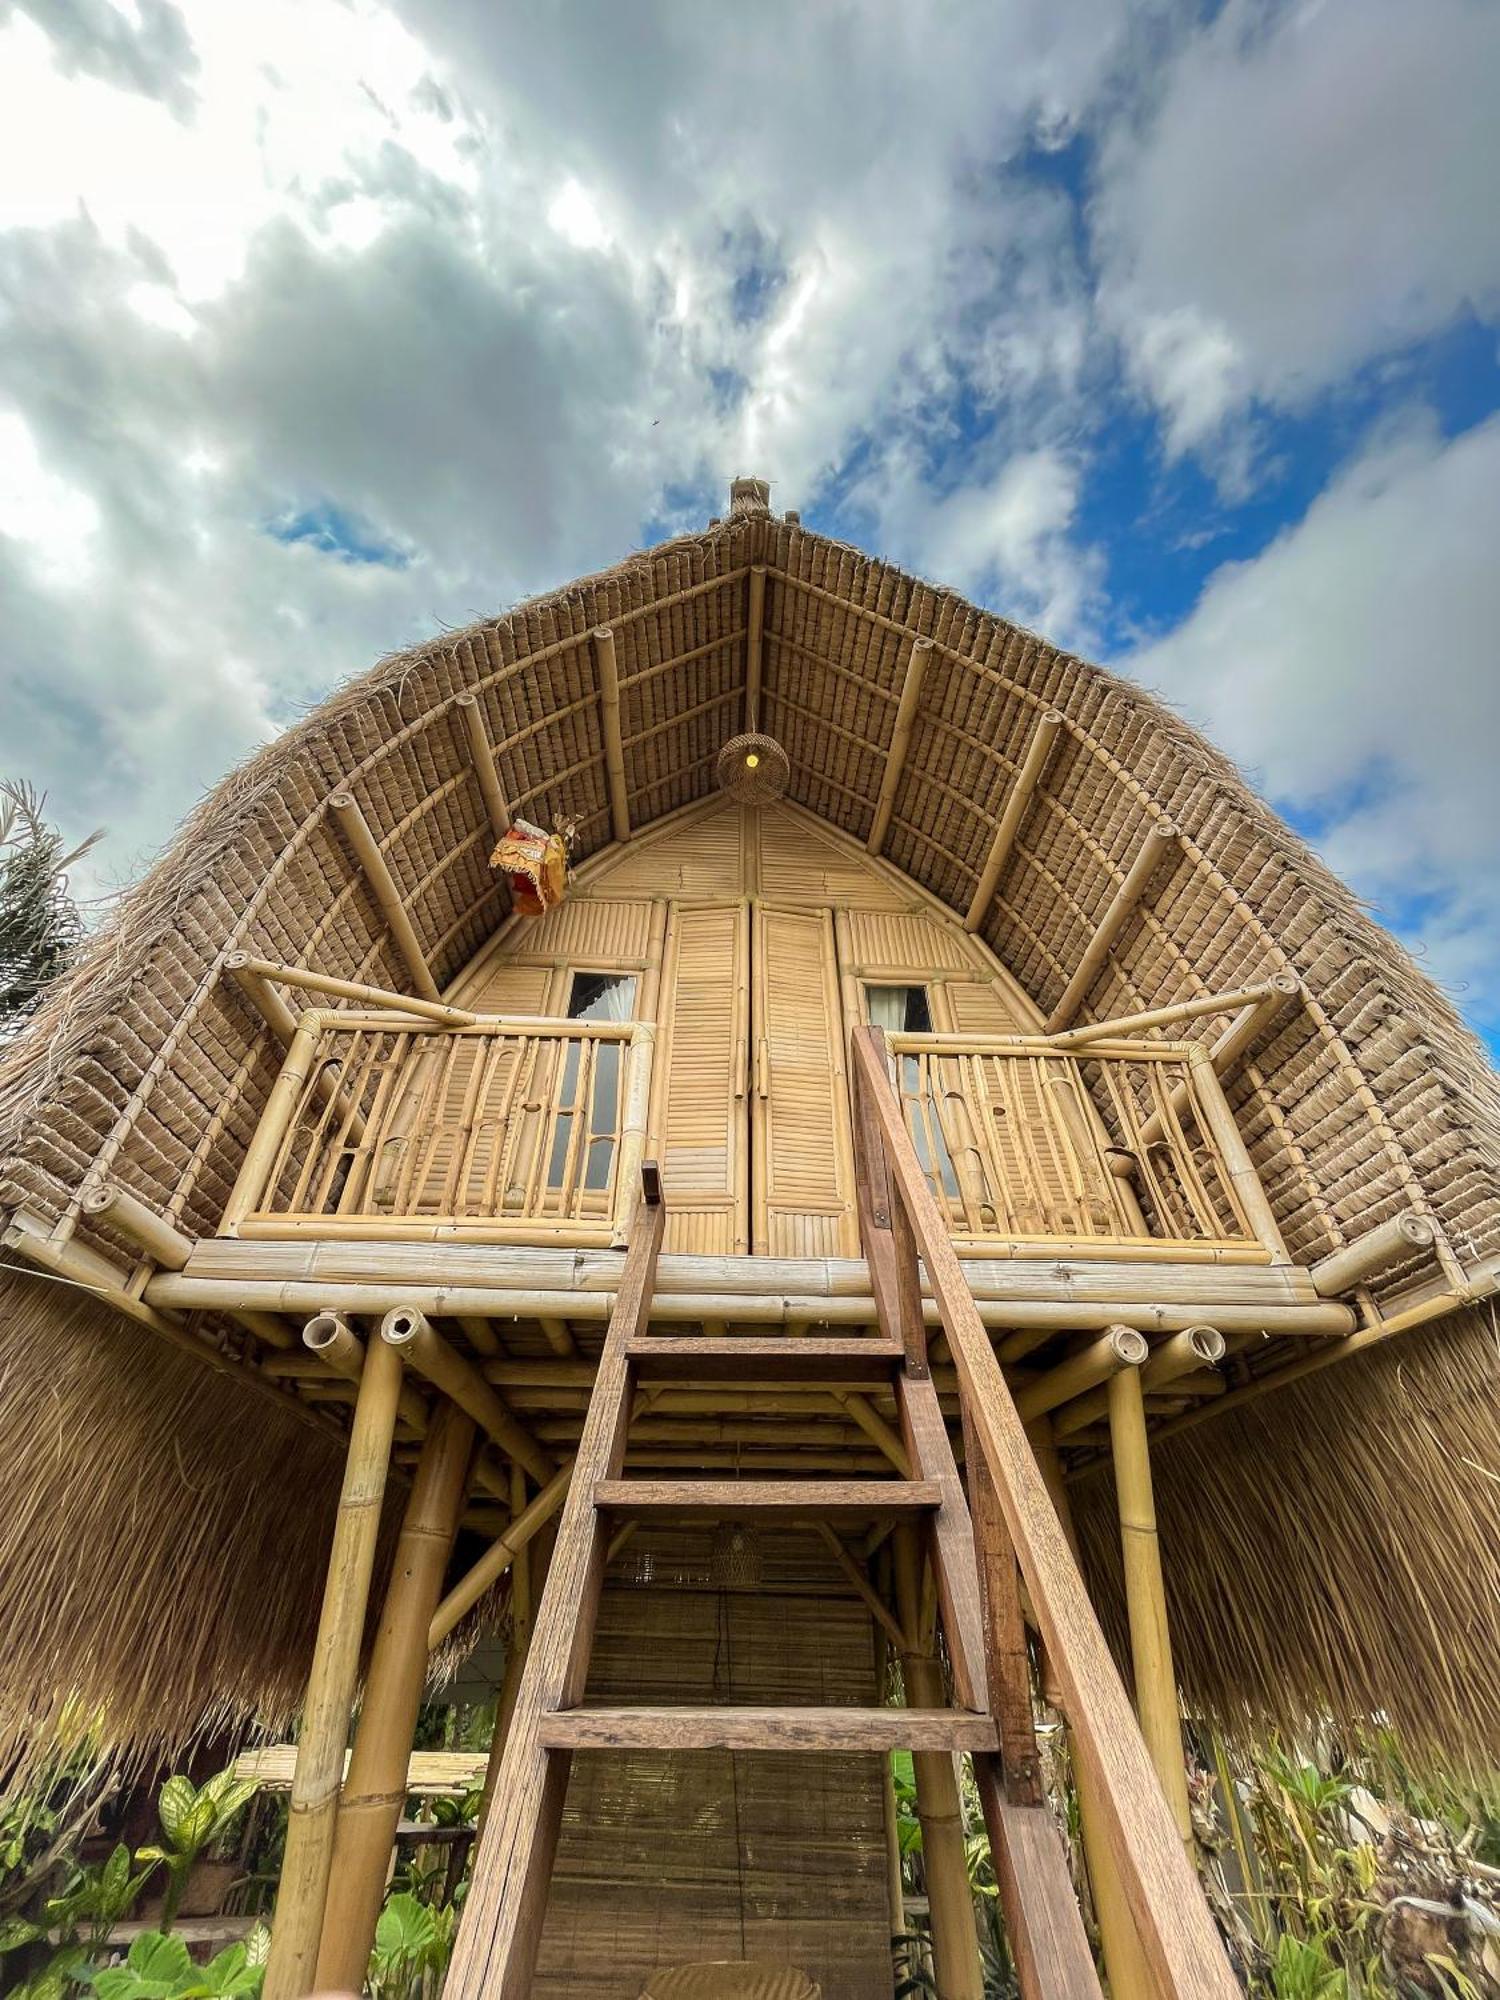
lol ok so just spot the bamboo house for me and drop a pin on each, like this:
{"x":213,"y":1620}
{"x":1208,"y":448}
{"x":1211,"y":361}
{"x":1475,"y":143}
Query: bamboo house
{"x":945,"y":1175}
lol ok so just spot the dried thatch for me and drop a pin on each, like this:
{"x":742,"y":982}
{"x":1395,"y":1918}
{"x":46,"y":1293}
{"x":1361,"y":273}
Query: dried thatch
{"x":1370,"y":1099}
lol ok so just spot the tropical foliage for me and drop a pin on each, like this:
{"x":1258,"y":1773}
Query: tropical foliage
{"x":40,"y":927}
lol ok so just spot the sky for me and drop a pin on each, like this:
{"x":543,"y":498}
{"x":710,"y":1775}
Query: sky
{"x":1165,"y":327}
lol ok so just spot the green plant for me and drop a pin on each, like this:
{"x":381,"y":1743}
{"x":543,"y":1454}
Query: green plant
{"x":1303,"y":1970}
{"x":158,"y":1968}
{"x":412,"y":1942}
{"x":192,"y":1818}
{"x":81,"y":1916}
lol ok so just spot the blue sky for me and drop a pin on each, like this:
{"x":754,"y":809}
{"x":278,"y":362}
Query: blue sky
{"x":1166,"y":328}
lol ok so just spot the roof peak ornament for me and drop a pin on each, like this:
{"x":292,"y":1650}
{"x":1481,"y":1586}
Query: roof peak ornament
{"x":749,"y":497}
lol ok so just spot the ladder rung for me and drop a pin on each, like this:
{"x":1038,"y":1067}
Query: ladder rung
{"x":767,"y":1499}
{"x":787,"y":1359}
{"x":877,"y":1729}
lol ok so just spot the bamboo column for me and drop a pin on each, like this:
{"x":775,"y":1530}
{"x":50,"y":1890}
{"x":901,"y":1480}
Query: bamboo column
{"x":1159,"y":839}
{"x":1027,"y":779}
{"x":608,"y":673}
{"x":1145,"y":1595}
{"x":366,"y":851}
{"x":482,"y":754}
{"x":1124,"y":1960}
{"x":260,"y":1155}
{"x":895,"y":757}
{"x":755,"y":621}
{"x":303,"y":1891}
{"x":375,"y":1788}
{"x":955,"y":1939}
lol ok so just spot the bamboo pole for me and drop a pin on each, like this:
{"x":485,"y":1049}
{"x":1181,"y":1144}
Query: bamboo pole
{"x":169,"y":1246}
{"x":955,"y":1940}
{"x":1145,"y":1595}
{"x":1120,"y":1348}
{"x":374,"y":1786}
{"x":1242,"y":1033}
{"x":895,"y":756}
{"x":755,"y":622}
{"x":1225,"y":1134}
{"x":607,"y":668}
{"x":1368,"y":1255}
{"x":634,"y":1117}
{"x":366,"y":851}
{"x":249,"y":1188}
{"x":303,"y":1889}
{"x":301,"y":976}
{"x":1159,"y":838}
{"x":333,"y":1343}
{"x":263,"y":997}
{"x":482,"y":755}
{"x":1245,"y":997}
{"x":555,"y":1333}
{"x":498,"y":1557}
{"x":1027,"y":779}
{"x":412,"y":1335}
{"x":1179,"y":1355}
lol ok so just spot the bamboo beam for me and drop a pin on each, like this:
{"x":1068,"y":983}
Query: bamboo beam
{"x":607,"y":669}
{"x":1121,"y":1347}
{"x":366,"y":851}
{"x":333,"y":1343}
{"x":498,"y":1557}
{"x":1027,"y":779}
{"x":556,"y":1334}
{"x":303,"y":1890}
{"x":1145,"y":1595}
{"x":895,"y":756}
{"x":1368,"y":1255}
{"x":1168,"y":1017}
{"x":1219,"y":1120}
{"x":412,"y":1335}
{"x":263,"y":997}
{"x":482,"y":756}
{"x":755,"y":622}
{"x":1159,"y":839}
{"x":240,"y":963}
{"x":950,"y":1902}
{"x":168,"y":1246}
{"x":869,"y":1596}
{"x":260,"y":1155}
{"x":1196,"y":1347}
{"x":874,"y":1426}
{"x":1243,"y":1032}
{"x":370,"y":1805}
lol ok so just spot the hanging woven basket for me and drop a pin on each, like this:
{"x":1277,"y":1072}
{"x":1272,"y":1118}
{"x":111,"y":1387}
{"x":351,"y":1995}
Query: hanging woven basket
{"x":753,"y":768}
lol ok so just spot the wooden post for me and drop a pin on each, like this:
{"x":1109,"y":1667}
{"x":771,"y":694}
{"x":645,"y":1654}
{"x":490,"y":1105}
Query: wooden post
{"x":411,"y":1334}
{"x":249,"y":1188}
{"x":608,"y":672}
{"x":515,"y":1652}
{"x":366,"y":851}
{"x":375,"y":1788}
{"x":1027,"y":779}
{"x":1145,"y":1595}
{"x":1159,"y":838}
{"x":895,"y":757}
{"x":482,"y":754}
{"x":755,"y":621}
{"x":955,"y":1939}
{"x":303,"y":1892}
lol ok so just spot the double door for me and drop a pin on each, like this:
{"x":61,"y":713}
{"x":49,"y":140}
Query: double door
{"x":752,"y":1101}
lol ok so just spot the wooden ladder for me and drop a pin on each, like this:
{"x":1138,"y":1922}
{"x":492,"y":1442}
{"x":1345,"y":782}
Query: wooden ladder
{"x":980,"y":1607}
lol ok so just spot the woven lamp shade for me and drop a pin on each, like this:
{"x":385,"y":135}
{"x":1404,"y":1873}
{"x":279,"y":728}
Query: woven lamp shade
{"x":753,"y":768}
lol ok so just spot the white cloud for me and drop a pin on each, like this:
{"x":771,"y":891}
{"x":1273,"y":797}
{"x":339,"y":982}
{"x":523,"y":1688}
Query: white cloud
{"x":1313,"y":187}
{"x":1352,"y":667}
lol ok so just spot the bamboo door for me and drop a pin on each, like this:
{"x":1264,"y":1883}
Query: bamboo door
{"x":803,"y":1175}
{"x":699,"y":1110}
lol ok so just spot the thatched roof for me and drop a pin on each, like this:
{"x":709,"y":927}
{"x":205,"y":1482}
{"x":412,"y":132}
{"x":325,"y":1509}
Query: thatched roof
{"x":1369,"y":1099}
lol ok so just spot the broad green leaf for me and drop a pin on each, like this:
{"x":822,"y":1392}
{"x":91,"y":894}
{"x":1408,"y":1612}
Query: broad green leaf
{"x":258,"y":1946}
{"x":406,"y":1928}
{"x":178,"y":1797}
{"x":156,"y":1955}
{"x":16,"y":1931}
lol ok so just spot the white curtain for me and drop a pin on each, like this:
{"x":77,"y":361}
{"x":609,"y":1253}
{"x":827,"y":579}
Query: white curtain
{"x":887,"y":1006}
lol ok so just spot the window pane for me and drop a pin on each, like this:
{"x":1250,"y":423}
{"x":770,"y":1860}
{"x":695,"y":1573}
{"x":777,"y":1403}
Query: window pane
{"x":902,"y":1010}
{"x":592,"y":996}
{"x":601,"y":996}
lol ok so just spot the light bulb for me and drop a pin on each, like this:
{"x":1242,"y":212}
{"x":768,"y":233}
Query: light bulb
{"x":751,"y":761}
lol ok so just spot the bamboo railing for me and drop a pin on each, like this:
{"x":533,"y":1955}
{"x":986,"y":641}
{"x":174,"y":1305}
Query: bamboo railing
{"x":385,"y":1126}
{"x":1120,"y":1144}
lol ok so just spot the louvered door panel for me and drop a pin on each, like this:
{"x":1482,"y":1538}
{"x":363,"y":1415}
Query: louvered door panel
{"x":803,"y":1172}
{"x":700,"y":1116}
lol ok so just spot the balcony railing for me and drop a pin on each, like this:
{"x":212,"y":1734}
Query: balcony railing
{"x":1124,"y":1147}
{"x":496,"y":1130}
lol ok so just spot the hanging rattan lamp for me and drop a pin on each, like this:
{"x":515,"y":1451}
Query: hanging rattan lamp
{"x":753,"y":768}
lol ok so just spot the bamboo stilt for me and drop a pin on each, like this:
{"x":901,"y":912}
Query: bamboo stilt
{"x":374,"y":1787}
{"x":607,"y":668}
{"x":412,"y":1335}
{"x":482,"y":754}
{"x":1159,"y":839}
{"x":1145,"y":1595}
{"x":1121,"y":1347}
{"x":1182,"y":1354}
{"x":303,"y":1889}
{"x":366,"y":851}
{"x":955,"y":1941}
{"x":895,"y":756}
{"x":1027,"y":779}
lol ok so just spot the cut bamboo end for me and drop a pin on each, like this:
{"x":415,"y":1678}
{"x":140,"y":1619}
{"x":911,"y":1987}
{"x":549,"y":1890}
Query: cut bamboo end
{"x":1377,"y":1250}
{"x":1121,"y":1347}
{"x":1027,"y":779}
{"x":161,"y":1240}
{"x":408,"y":1330}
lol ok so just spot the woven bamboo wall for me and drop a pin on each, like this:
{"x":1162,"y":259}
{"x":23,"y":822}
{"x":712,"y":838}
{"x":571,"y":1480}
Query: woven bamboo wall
{"x":666,"y":1860}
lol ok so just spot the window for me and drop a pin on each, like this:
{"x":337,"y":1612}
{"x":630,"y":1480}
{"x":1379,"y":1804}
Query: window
{"x":903,"y":1010}
{"x":592,"y":996}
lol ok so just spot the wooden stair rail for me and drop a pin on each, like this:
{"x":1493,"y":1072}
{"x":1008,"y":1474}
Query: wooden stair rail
{"x":1177,"y":1932}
